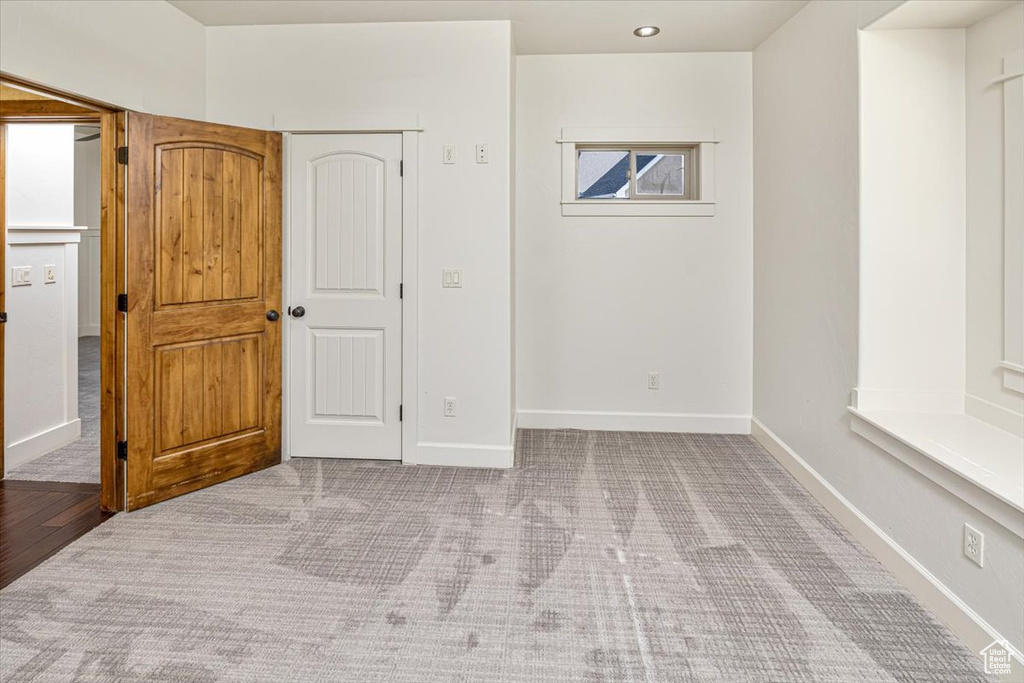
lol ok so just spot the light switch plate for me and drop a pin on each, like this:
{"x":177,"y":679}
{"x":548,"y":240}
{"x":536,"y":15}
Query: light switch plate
{"x":49,"y":274}
{"x":452,"y":278}
{"x":21,"y":276}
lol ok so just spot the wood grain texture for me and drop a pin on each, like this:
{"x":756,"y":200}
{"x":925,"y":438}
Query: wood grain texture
{"x":204,"y":210}
{"x":112,"y":324}
{"x":37,"y":519}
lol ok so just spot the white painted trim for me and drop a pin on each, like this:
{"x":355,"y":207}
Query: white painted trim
{"x":1013,"y":376}
{"x":986,"y":501}
{"x":614,"y":207}
{"x":624,"y":135}
{"x":996,"y":415}
{"x":304,"y":121}
{"x":410,"y":298}
{"x":910,"y":401}
{"x":410,"y":301}
{"x":44,"y":235}
{"x":693,"y":423}
{"x":703,"y":207}
{"x":465,"y":455}
{"x":286,"y":239}
{"x":915,"y":577}
{"x":27,"y":450}
{"x":88,"y":330}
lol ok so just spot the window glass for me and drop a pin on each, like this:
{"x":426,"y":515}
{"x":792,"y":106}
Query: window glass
{"x":603,"y":174}
{"x":660,"y":174}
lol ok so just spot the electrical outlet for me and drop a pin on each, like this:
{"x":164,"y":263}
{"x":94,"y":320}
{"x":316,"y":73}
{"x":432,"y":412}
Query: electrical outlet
{"x":49,"y":274}
{"x":448,"y":154}
{"x":653,"y":381}
{"x":450,"y":406}
{"x":482,"y":155}
{"x":974,"y":545}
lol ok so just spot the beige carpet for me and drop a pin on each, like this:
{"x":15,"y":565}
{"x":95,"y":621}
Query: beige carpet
{"x":601,"y":557}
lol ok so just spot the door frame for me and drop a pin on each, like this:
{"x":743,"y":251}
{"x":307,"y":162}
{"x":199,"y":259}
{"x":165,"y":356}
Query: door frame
{"x":408,"y":127}
{"x":63,"y":107}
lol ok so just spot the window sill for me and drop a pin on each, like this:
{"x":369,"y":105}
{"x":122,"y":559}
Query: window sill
{"x":611,"y":207}
{"x":980,"y":464}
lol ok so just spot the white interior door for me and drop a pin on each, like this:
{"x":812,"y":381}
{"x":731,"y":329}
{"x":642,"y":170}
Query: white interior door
{"x":344,"y":275}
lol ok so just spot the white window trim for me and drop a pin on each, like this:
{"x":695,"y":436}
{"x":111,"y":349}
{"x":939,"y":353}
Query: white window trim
{"x":670,"y":137}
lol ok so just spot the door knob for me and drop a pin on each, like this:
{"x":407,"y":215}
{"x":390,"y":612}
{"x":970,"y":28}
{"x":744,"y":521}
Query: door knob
{"x":273,"y":316}
{"x":298,"y":312}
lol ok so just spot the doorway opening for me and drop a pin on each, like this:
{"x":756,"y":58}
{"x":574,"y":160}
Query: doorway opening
{"x":58,"y":381}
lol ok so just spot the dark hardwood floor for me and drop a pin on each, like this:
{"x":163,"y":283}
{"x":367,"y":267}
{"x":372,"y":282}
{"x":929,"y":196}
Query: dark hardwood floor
{"x":38,"y":518}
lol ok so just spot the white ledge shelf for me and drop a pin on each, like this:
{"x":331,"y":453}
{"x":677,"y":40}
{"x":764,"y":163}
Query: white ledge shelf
{"x":980,"y":464}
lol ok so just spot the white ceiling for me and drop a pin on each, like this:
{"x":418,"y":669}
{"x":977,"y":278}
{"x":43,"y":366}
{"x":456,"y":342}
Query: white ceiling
{"x":939,"y":14}
{"x":541,"y":26}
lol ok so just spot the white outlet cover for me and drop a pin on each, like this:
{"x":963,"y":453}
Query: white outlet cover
{"x":49,"y":274}
{"x":653,"y":381}
{"x":974,"y":545}
{"x":482,"y":155}
{"x":448,"y":154}
{"x":450,"y":406}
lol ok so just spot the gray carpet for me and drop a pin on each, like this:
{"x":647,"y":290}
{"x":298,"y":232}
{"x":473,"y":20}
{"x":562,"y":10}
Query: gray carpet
{"x":78,"y":461}
{"x":602,"y":557}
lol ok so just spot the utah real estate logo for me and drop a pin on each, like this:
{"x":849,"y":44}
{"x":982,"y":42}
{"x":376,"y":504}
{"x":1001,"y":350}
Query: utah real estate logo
{"x":997,"y":658}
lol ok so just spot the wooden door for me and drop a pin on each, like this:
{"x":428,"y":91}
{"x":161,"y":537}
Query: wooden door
{"x":204,"y":295}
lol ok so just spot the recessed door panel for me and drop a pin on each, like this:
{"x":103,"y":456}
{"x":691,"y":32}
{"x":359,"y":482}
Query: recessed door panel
{"x":345,"y":277}
{"x":346,"y":216}
{"x":347,"y":376}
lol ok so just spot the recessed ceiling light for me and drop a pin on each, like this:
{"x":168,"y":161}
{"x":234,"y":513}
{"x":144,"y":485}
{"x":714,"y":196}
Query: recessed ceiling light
{"x":646,"y":31}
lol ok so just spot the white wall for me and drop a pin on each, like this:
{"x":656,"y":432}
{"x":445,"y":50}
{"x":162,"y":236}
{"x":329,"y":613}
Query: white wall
{"x":40,"y":352}
{"x":602,"y":301}
{"x":456,"y":77}
{"x":42,"y":193}
{"x":87,"y":214}
{"x":913,"y":219}
{"x":988,"y":42}
{"x":146,"y":56}
{"x":806,"y":307}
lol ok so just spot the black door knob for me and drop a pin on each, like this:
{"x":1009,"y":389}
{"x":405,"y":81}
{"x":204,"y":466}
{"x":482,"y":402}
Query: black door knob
{"x":273,"y":316}
{"x":298,"y":312}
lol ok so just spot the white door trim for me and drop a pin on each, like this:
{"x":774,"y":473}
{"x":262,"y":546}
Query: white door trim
{"x":410,"y":299}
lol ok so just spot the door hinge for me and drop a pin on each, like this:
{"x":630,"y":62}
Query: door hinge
{"x":3,"y":317}
{"x":399,"y":413}
{"x":122,"y":450}
{"x":122,"y":155}
{"x":401,"y":290}
{"x":401,"y":168}
{"x":122,"y":303}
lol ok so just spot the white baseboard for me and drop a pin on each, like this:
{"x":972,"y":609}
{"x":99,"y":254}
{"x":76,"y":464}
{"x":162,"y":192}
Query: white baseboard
{"x":88,"y":330}
{"x":695,"y":423}
{"x":932,"y":593}
{"x":996,"y":415}
{"x":465,"y":455}
{"x":29,"y":449}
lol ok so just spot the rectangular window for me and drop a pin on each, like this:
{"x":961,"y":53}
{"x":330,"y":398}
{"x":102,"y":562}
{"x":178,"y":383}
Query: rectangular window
{"x":640,"y":172}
